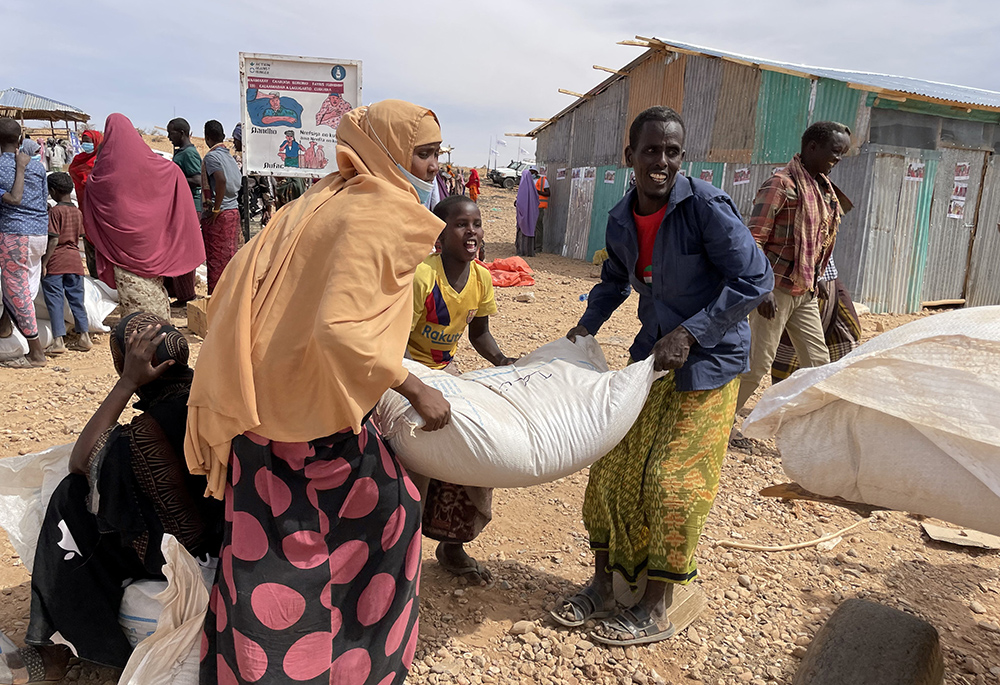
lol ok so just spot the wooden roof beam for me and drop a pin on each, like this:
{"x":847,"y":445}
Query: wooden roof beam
{"x":618,"y":72}
{"x":539,"y":120}
{"x":572,"y":92}
{"x":517,"y":135}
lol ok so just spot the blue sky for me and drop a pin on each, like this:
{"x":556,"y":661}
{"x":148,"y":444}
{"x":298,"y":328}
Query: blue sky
{"x":484,"y":67}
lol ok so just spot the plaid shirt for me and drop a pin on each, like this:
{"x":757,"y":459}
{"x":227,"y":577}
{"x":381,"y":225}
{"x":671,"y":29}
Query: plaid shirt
{"x":773,"y":226}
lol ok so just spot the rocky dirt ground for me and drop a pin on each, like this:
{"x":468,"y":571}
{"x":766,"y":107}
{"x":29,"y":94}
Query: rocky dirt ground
{"x":763,"y":607}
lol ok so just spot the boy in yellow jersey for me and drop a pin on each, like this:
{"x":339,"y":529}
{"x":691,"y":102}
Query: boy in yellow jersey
{"x":451,"y":292}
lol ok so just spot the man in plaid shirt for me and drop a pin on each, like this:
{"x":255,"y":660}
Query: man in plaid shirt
{"x":795,"y":220}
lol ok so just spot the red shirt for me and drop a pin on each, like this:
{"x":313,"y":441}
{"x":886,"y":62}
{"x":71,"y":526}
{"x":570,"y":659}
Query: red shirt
{"x":66,"y":226}
{"x":646,"y":228}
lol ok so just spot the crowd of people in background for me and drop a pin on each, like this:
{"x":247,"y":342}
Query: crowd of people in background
{"x":319,"y":526}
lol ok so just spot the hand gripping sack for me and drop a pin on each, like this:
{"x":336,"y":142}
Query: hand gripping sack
{"x":551,"y":414}
{"x":908,"y":421}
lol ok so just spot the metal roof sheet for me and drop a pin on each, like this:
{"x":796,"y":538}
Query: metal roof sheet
{"x":15,"y":98}
{"x":904,"y":85}
{"x":900,"y":84}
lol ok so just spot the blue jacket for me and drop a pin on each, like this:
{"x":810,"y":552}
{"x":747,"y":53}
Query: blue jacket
{"x":708,"y":275}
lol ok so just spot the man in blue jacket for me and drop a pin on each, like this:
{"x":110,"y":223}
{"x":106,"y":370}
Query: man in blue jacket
{"x":680,"y":243}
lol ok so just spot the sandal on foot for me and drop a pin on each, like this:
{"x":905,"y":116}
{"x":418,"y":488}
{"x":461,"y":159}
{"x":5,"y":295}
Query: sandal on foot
{"x":585,"y":606}
{"x":20,"y":363}
{"x":32,"y":667}
{"x":636,"y":622}
{"x":466,"y":570}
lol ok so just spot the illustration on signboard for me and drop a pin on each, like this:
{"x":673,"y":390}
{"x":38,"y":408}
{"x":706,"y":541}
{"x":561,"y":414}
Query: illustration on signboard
{"x":313,"y":157}
{"x":332,"y":109}
{"x":290,"y":150}
{"x":271,"y":109}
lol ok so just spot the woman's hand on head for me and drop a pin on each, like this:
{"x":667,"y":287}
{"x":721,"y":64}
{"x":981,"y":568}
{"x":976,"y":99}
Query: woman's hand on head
{"x":140,"y":351}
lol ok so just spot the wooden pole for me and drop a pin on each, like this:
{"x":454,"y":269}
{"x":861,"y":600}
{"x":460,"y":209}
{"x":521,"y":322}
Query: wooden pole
{"x":610,"y":70}
{"x":571,"y":92}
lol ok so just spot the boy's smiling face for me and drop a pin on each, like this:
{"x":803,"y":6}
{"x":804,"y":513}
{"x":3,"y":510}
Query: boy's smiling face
{"x":463,"y":232}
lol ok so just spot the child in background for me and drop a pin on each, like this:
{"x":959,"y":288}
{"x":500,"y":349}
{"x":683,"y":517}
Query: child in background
{"x":62,"y":268}
{"x":451,"y":293}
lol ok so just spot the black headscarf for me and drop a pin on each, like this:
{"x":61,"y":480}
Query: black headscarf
{"x":146,"y":490}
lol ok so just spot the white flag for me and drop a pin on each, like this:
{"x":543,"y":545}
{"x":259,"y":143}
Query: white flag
{"x":494,"y":152}
{"x":502,"y":142}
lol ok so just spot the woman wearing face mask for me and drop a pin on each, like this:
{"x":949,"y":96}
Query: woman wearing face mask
{"x":79,"y":170}
{"x":310,"y":321}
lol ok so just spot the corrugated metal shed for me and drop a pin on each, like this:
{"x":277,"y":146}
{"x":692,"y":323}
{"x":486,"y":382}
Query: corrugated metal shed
{"x":835,"y":101}
{"x":950,"y":237}
{"x":20,"y":104}
{"x":900,"y":84}
{"x":609,"y":137}
{"x":743,"y":195}
{"x":606,"y":196}
{"x":583,"y":133}
{"x":659,"y":80}
{"x":713,"y":172}
{"x":984,"y":269}
{"x":581,"y":200}
{"x":735,"y":118}
{"x":782,"y":116}
{"x":555,"y":217}
{"x":702,"y":83}
{"x":854,"y":177}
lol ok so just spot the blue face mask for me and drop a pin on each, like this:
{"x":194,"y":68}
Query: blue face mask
{"x":423,"y":188}
{"x":36,"y":158}
{"x":87,"y":147}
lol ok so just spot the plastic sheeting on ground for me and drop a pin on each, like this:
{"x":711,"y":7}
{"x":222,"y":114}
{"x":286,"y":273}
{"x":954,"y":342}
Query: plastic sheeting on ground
{"x":26,"y":485}
{"x":509,"y":272}
{"x":908,"y":421}
{"x":553,"y":413}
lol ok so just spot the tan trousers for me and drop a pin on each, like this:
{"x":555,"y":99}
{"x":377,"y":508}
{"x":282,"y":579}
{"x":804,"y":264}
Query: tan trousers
{"x":799,"y":315}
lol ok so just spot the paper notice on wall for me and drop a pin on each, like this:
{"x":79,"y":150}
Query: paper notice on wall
{"x":741,"y":176}
{"x":956,"y":209}
{"x":609,"y":176}
{"x":960,"y":191}
{"x":560,"y":174}
{"x":962,"y":171}
{"x":706,"y":175}
{"x":915,"y":171}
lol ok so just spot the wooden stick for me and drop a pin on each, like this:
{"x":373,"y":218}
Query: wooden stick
{"x":536,"y":119}
{"x":784,"y":548}
{"x":634,"y":43}
{"x":610,"y":70}
{"x":571,"y":92}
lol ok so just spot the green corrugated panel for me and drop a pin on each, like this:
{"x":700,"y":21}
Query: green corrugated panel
{"x":606,"y":196}
{"x":718,"y":170}
{"x":835,"y":101}
{"x":934,"y":109}
{"x":921,"y":239}
{"x":782,"y":116}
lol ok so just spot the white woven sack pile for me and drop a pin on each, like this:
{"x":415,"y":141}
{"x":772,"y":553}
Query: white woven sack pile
{"x":908,"y":421}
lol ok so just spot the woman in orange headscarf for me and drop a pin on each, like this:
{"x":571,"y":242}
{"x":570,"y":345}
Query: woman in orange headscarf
{"x":307,"y":330}
{"x":473,"y":184}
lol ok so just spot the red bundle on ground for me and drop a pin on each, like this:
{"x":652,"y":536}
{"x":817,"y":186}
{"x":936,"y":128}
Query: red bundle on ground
{"x":510,"y":272}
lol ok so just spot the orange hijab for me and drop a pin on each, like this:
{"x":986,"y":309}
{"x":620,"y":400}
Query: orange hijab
{"x":309,"y":322}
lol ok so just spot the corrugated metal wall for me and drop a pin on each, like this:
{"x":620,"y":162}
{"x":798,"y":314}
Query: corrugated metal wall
{"x":950,"y":237}
{"x":853,"y":176}
{"x":984,"y":270}
{"x":716,"y":169}
{"x":734,"y":128}
{"x":782,"y":116}
{"x":553,"y":141}
{"x":581,"y":199}
{"x":555,"y":217}
{"x":897,"y":243}
{"x":657,"y":81}
{"x":583,"y":133}
{"x":611,"y":108}
{"x":835,"y":101}
{"x":743,"y":195}
{"x":702,"y":83}
{"x":606,"y":196}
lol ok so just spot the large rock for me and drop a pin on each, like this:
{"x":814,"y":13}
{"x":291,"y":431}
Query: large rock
{"x":869,"y":644}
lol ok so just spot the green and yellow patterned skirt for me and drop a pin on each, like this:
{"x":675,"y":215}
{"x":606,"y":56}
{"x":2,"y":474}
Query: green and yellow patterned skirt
{"x":647,"y":500}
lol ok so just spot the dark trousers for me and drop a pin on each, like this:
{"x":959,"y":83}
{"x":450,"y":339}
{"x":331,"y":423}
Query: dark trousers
{"x":70,"y":286}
